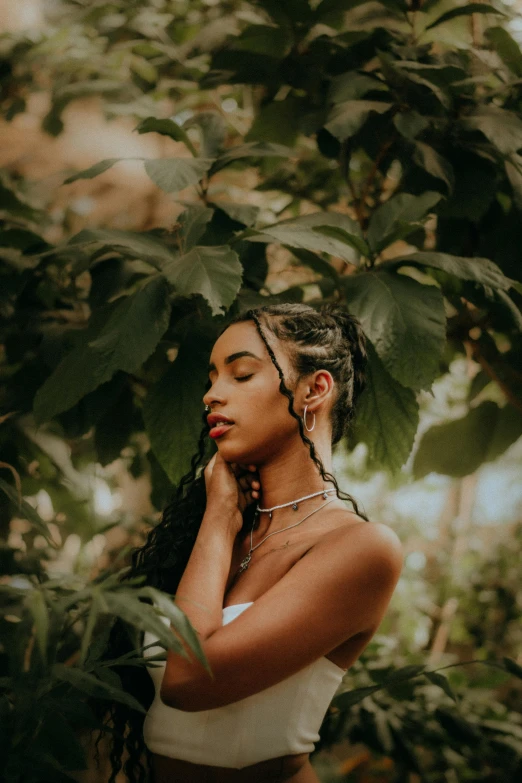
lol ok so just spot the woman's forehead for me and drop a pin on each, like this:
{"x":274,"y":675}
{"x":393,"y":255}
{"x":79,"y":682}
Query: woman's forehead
{"x":237,"y":337}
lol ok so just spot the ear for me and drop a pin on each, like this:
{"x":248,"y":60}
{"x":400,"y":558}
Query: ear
{"x":317,"y":389}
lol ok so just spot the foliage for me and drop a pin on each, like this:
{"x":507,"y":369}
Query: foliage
{"x":389,"y":175}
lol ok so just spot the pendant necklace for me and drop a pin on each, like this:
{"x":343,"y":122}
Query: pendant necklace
{"x":246,"y":560}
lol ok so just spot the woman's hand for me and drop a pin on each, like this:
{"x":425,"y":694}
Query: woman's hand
{"x":230,"y":486}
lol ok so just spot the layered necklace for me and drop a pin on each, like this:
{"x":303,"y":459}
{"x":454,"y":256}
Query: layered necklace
{"x":295,"y":505}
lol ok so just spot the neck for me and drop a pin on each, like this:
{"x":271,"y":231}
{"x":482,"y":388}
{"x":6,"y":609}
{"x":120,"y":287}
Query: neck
{"x":288,"y":477}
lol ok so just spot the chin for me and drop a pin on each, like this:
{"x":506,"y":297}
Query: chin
{"x":236,"y":452}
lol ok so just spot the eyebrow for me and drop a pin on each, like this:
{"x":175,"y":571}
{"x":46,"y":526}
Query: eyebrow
{"x":233,"y":357}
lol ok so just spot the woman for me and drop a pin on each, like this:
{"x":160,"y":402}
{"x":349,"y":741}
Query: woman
{"x":286,"y":598}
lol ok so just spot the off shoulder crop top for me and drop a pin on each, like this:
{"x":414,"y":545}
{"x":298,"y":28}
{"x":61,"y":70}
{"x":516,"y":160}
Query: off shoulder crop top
{"x":281,"y":720}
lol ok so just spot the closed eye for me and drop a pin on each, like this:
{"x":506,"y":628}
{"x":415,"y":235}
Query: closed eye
{"x":243,"y":377}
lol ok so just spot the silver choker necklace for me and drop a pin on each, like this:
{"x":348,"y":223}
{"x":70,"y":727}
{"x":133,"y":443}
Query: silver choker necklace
{"x":294,"y":503}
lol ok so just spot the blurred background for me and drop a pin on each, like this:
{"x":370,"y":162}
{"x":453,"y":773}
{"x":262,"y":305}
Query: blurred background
{"x":77,"y":78}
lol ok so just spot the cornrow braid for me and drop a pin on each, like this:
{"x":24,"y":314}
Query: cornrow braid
{"x":252,"y":315}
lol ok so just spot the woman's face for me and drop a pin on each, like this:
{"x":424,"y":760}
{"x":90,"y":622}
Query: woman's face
{"x":245,"y":390}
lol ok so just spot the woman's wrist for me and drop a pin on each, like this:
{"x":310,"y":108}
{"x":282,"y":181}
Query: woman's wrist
{"x":227,"y":521}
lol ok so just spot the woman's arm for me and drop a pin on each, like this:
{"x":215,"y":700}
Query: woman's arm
{"x":201,"y":589}
{"x":339,"y":590}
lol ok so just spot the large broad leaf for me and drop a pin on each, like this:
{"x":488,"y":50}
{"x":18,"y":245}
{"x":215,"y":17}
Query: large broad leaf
{"x":397,"y":217}
{"x":506,"y":47}
{"x":193,"y":222}
{"x":277,"y":122}
{"x":430,"y":160}
{"x":503,"y":128}
{"x":348,"y":117}
{"x":133,"y":244}
{"x":175,"y":174}
{"x":254,"y":149}
{"x":213,"y":272}
{"x":465,"y":10}
{"x":128,"y":336}
{"x":387,"y":417}
{"x":92,"y":686}
{"x":173,"y":409}
{"x":404,"y":320}
{"x":481,"y":270}
{"x":302,"y":233}
{"x":459,"y":447}
{"x":166,"y":128}
{"x":353,"y":85}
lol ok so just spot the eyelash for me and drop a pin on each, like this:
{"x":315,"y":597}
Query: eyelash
{"x":243,"y":377}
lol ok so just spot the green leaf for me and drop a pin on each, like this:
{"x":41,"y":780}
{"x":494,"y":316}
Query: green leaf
{"x":93,"y":171}
{"x":277,"y":122}
{"x":173,"y":408}
{"x":387,"y":417}
{"x":92,"y":686}
{"x":317,"y":263}
{"x":404,"y":673}
{"x":457,"y":448}
{"x":25,"y":510}
{"x":35,"y":602}
{"x":213,"y":132}
{"x":506,"y":47}
{"x":242,"y":213}
{"x":264,"y":39}
{"x":405,"y":321}
{"x":131,"y":243}
{"x":352,"y":86}
{"x":300,"y":233}
{"x":143,"y":617}
{"x":348,"y":117}
{"x":430,"y":160}
{"x":480,"y":270}
{"x":347,"y":699}
{"x":193,"y":223}
{"x":168,"y":128}
{"x":503,"y":128}
{"x":465,"y":10}
{"x":399,"y":214}
{"x":441,"y":682}
{"x":179,"y":619}
{"x":214,"y":272}
{"x":254,"y":149}
{"x":410,"y":124}
{"x":98,"y":606}
{"x":334,"y":232}
{"x":175,"y":174}
{"x":133,"y":328}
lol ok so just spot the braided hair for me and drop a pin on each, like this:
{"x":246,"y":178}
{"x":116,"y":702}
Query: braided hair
{"x":328,"y":338}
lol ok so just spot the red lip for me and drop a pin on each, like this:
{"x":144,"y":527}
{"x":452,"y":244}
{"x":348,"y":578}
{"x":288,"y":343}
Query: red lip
{"x":220,"y":429}
{"x":217,"y":418}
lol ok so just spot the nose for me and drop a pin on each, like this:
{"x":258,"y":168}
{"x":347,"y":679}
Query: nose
{"x":212,"y":396}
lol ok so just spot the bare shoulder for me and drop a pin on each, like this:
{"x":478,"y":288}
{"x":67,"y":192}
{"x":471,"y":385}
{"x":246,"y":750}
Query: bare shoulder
{"x":376,"y":543}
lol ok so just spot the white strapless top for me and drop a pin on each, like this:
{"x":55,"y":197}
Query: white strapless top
{"x":280,"y":720}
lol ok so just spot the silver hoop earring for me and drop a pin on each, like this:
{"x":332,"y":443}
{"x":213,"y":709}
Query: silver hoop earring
{"x":307,"y":428}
